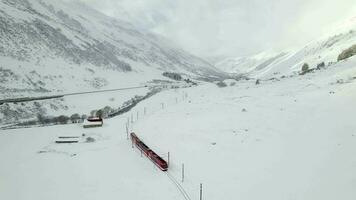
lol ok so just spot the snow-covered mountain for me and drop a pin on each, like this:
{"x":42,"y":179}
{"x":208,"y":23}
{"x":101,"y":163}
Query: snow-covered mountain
{"x":249,"y":63}
{"x":53,"y":47}
{"x":325,"y":50}
{"x":49,"y":45}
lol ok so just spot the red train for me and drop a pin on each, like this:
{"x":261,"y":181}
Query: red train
{"x":157,"y":160}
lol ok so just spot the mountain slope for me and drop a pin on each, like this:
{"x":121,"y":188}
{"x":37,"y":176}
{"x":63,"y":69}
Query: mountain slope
{"x":325,"y":50}
{"x":69,"y":42}
{"x":52,"y":47}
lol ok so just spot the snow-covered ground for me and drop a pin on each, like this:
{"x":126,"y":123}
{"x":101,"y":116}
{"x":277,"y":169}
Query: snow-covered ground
{"x":289,"y":139}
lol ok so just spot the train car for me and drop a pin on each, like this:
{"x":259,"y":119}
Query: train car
{"x":157,"y":160}
{"x":144,"y":148}
{"x":139,"y":144}
{"x":134,"y":138}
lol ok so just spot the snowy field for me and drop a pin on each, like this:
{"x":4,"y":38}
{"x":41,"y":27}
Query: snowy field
{"x":293,"y":139}
{"x":97,"y":101}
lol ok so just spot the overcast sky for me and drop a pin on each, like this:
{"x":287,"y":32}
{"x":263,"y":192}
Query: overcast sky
{"x":231,"y":27}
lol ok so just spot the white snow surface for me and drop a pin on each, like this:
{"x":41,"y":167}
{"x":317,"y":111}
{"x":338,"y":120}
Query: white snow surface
{"x":288,"y":139}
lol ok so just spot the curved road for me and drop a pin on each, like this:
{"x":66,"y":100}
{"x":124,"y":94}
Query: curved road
{"x":24,"y":99}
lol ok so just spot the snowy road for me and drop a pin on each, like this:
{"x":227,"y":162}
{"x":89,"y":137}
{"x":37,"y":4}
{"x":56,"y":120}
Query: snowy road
{"x":25,"y":99}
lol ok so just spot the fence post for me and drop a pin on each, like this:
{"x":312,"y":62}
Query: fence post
{"x":201,"y":191}
{"x":182,"y":172}
{"x":127,"y":131}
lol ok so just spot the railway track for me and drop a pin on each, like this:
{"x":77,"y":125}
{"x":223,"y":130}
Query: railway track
{"x":179,"y":186}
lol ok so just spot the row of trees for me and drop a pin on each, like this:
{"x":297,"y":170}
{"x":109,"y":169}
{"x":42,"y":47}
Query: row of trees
{"x":62,"y":119}
{"x":105,"y":112}
{"x":77,"y":118}
{"x":306,"y":69}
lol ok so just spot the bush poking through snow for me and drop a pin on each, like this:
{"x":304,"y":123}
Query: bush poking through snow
{"x":221,"y":84}
{"x":190,"y":82}
{"x":83,"y":117}
{"x":347,"y":53}
{"x":99,"y":113}
{"x":75,"y":118}
{"x":89,"y":140}
{"x":62,"y":119}
{"x":305,"y":67}
{"x":320,"y":65}
{"x":172,"y":75}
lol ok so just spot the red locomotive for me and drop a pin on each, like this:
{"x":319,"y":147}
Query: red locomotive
{"x":157,"y":160}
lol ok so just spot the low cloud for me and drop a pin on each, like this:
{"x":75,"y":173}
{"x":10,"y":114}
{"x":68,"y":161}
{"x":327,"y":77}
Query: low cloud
{"x":231,"y":27}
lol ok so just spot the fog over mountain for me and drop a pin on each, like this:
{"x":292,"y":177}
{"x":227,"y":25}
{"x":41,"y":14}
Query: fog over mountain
{"x":233,"y":27}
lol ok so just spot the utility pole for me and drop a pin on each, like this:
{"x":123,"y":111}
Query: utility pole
{"x":131,"y":118}
{"x":168,"y":160}
{"x":128,"y":124}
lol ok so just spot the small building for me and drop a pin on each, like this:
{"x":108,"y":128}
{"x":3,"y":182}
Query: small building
{"x":93,"y":122}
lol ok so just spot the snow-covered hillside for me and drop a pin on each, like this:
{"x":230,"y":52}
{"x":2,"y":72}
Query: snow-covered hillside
{"x":325,"y":50}
{"x":52,"y":47}
{"x":61,"y":45}
{"x":288,"y":139}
